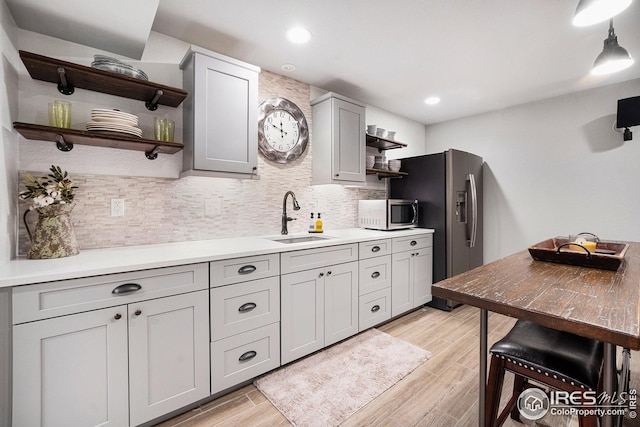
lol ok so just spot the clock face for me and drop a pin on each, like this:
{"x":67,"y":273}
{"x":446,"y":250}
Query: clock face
{"x":283,"y":133}
{"x":281,"y":130}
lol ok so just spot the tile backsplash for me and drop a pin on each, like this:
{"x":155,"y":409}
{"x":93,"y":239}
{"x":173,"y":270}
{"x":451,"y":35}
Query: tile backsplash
{"x":160,"y":210}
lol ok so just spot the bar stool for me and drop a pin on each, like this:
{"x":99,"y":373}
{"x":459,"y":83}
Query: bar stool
{"x":560,"y":360}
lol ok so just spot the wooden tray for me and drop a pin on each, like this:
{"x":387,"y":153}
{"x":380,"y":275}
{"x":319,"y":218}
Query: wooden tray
{"x":608,"y":255}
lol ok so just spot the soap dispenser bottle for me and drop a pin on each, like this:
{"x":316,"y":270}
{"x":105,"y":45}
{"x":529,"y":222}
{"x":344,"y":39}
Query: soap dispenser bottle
{"x":312,"y":224}
{"x":318,"y":224}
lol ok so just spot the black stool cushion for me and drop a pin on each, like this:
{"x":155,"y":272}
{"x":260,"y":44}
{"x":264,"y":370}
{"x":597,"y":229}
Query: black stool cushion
{"x":568,"y":357}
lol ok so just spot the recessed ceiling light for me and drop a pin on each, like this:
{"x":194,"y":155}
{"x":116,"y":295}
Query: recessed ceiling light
{"x":288,"y":67}
{"x":298,"y":35}
{"x":432,"y":100}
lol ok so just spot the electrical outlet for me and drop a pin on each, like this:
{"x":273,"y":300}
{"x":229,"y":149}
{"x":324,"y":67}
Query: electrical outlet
{"x":117,"y":207}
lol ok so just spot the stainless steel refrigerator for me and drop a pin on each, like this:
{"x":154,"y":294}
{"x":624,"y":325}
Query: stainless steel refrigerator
{"x":448,"y":187}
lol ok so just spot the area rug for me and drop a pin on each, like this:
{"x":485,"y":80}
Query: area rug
{"x":326,"y":388}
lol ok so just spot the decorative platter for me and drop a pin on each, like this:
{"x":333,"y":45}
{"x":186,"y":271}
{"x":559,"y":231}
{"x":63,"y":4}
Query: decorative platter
{"x":607,"y":255}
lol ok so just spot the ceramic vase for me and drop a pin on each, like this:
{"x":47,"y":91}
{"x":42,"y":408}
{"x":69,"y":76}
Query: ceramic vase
{"x":54,"y":236}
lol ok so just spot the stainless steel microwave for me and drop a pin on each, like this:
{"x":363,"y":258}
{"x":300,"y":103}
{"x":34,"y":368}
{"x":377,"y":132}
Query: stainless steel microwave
{"x":388,"y":214}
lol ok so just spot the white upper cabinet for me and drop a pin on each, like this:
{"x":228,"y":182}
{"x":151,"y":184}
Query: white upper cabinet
{"x":220,"y":114}
{"x":338,"y":140}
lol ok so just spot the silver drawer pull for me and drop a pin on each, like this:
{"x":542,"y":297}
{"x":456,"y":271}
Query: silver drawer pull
{"x":127,"y":288}
{"x":375,"y":308}
{"x":246,"y":269}
{"x":247,"y":356}
{"x":375,"y":274}
{"x":248,"y":306}
{"x":375,"y":249}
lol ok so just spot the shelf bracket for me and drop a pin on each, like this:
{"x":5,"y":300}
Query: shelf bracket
{"x":62,"y":144}
{"x":64,"y":87}
{"x":153,"y":154}
{"x":153,"y":104}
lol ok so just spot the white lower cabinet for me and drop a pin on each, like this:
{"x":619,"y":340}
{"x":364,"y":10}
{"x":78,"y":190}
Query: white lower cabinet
{"x":72,"y":371}
{"x":245,"y":327}
{"x":168,"y":354}
{"x":411,"y":274}
{"x":340,"y":302}
{"x":244,"y":356}
{"x":375,"y":308}
{"x":318,"y":307}
{"x":123,"y":364}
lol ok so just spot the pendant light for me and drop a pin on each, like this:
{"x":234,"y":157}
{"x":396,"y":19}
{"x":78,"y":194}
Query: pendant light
{"x":591,"y":12}
{"x":613,"y":56}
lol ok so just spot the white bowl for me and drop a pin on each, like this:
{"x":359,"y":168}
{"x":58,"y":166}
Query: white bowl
{"x":394,"y":165}
{"x":370,"y":161}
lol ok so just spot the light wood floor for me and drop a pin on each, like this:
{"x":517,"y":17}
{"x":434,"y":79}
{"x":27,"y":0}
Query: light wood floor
{"x":442,"y":392}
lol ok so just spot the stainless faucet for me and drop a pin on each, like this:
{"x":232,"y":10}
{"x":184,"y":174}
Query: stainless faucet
{"x":285,"y":218}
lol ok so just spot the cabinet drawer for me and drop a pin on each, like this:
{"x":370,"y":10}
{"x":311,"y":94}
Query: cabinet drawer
{"x":45,"y":300}
{"x":375,"y":274}
{"x":236,"y":270}
{"x":244,"y":306}
{"x":375,"y":248}
{"x":375,"y":308}
{"x":260,"y":349}
{"x":401,"y":244}
{"x":308,"y":259}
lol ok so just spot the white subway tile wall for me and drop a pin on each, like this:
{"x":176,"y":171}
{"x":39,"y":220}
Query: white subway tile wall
{"x":161,"y":210}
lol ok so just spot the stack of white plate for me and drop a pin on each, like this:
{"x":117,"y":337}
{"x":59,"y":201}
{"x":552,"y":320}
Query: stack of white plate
{"x":104,"y":120}
{"x":107,"y":63}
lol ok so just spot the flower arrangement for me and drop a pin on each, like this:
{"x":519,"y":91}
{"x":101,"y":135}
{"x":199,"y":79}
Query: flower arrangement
{"x":53,"y":189}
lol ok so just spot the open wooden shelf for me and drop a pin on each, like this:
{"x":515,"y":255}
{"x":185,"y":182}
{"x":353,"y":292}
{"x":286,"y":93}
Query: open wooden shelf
{"x":65,"y":138}
{"x":386,"y":173}
{"x":79,"y":76}
{"x":383,"y":144}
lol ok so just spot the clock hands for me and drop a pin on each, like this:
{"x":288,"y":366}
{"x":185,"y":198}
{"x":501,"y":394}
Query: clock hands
{"x":282,"y":131}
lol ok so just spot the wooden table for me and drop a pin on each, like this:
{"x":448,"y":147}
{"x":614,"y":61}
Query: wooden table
{"x":599,"y":304}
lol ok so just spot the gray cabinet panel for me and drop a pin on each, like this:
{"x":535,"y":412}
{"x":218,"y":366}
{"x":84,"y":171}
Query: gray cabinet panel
{"x":220,"y":114}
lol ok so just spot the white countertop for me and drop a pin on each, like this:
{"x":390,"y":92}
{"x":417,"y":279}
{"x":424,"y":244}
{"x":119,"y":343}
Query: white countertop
{"x":94,"y":262}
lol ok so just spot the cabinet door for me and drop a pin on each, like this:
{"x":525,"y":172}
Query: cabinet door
{"x":302,"y":313}
{"x":341,"y":302}
{"x":225,"y":136}
{"x":422,"y":276}
{"x":72,"y":370}
{"x":169,"y":354}
{"x":401,"y":283}
{"x":348,"y":159}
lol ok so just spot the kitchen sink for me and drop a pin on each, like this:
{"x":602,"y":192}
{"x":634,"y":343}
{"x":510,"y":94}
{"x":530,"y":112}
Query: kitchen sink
{"x":298,"y":239}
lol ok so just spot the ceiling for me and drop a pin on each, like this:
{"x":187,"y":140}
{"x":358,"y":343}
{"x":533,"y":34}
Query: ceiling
{"x":90,"y":23}
{"x":476,"y":55}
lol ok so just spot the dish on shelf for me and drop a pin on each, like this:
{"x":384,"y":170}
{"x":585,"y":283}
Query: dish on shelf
{"x":113,"y":127}
{"x":113,"y":116}
{"x":113,"y":65}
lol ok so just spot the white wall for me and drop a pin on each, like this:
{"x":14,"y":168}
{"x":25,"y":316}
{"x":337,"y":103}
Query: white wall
{"x":553,"y":167}
{"x":8,"y":138}
{"x":8,"y":185}
{"x":407,"y":131}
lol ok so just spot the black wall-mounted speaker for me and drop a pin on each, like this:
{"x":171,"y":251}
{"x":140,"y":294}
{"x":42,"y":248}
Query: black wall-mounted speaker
{"x":628,"y":112}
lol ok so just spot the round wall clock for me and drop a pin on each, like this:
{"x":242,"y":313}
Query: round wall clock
{"x":283,"y":133}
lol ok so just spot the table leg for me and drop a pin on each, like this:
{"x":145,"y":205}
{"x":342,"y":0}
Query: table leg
{"x":482,"y":389}
{"x":609,"y":378}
